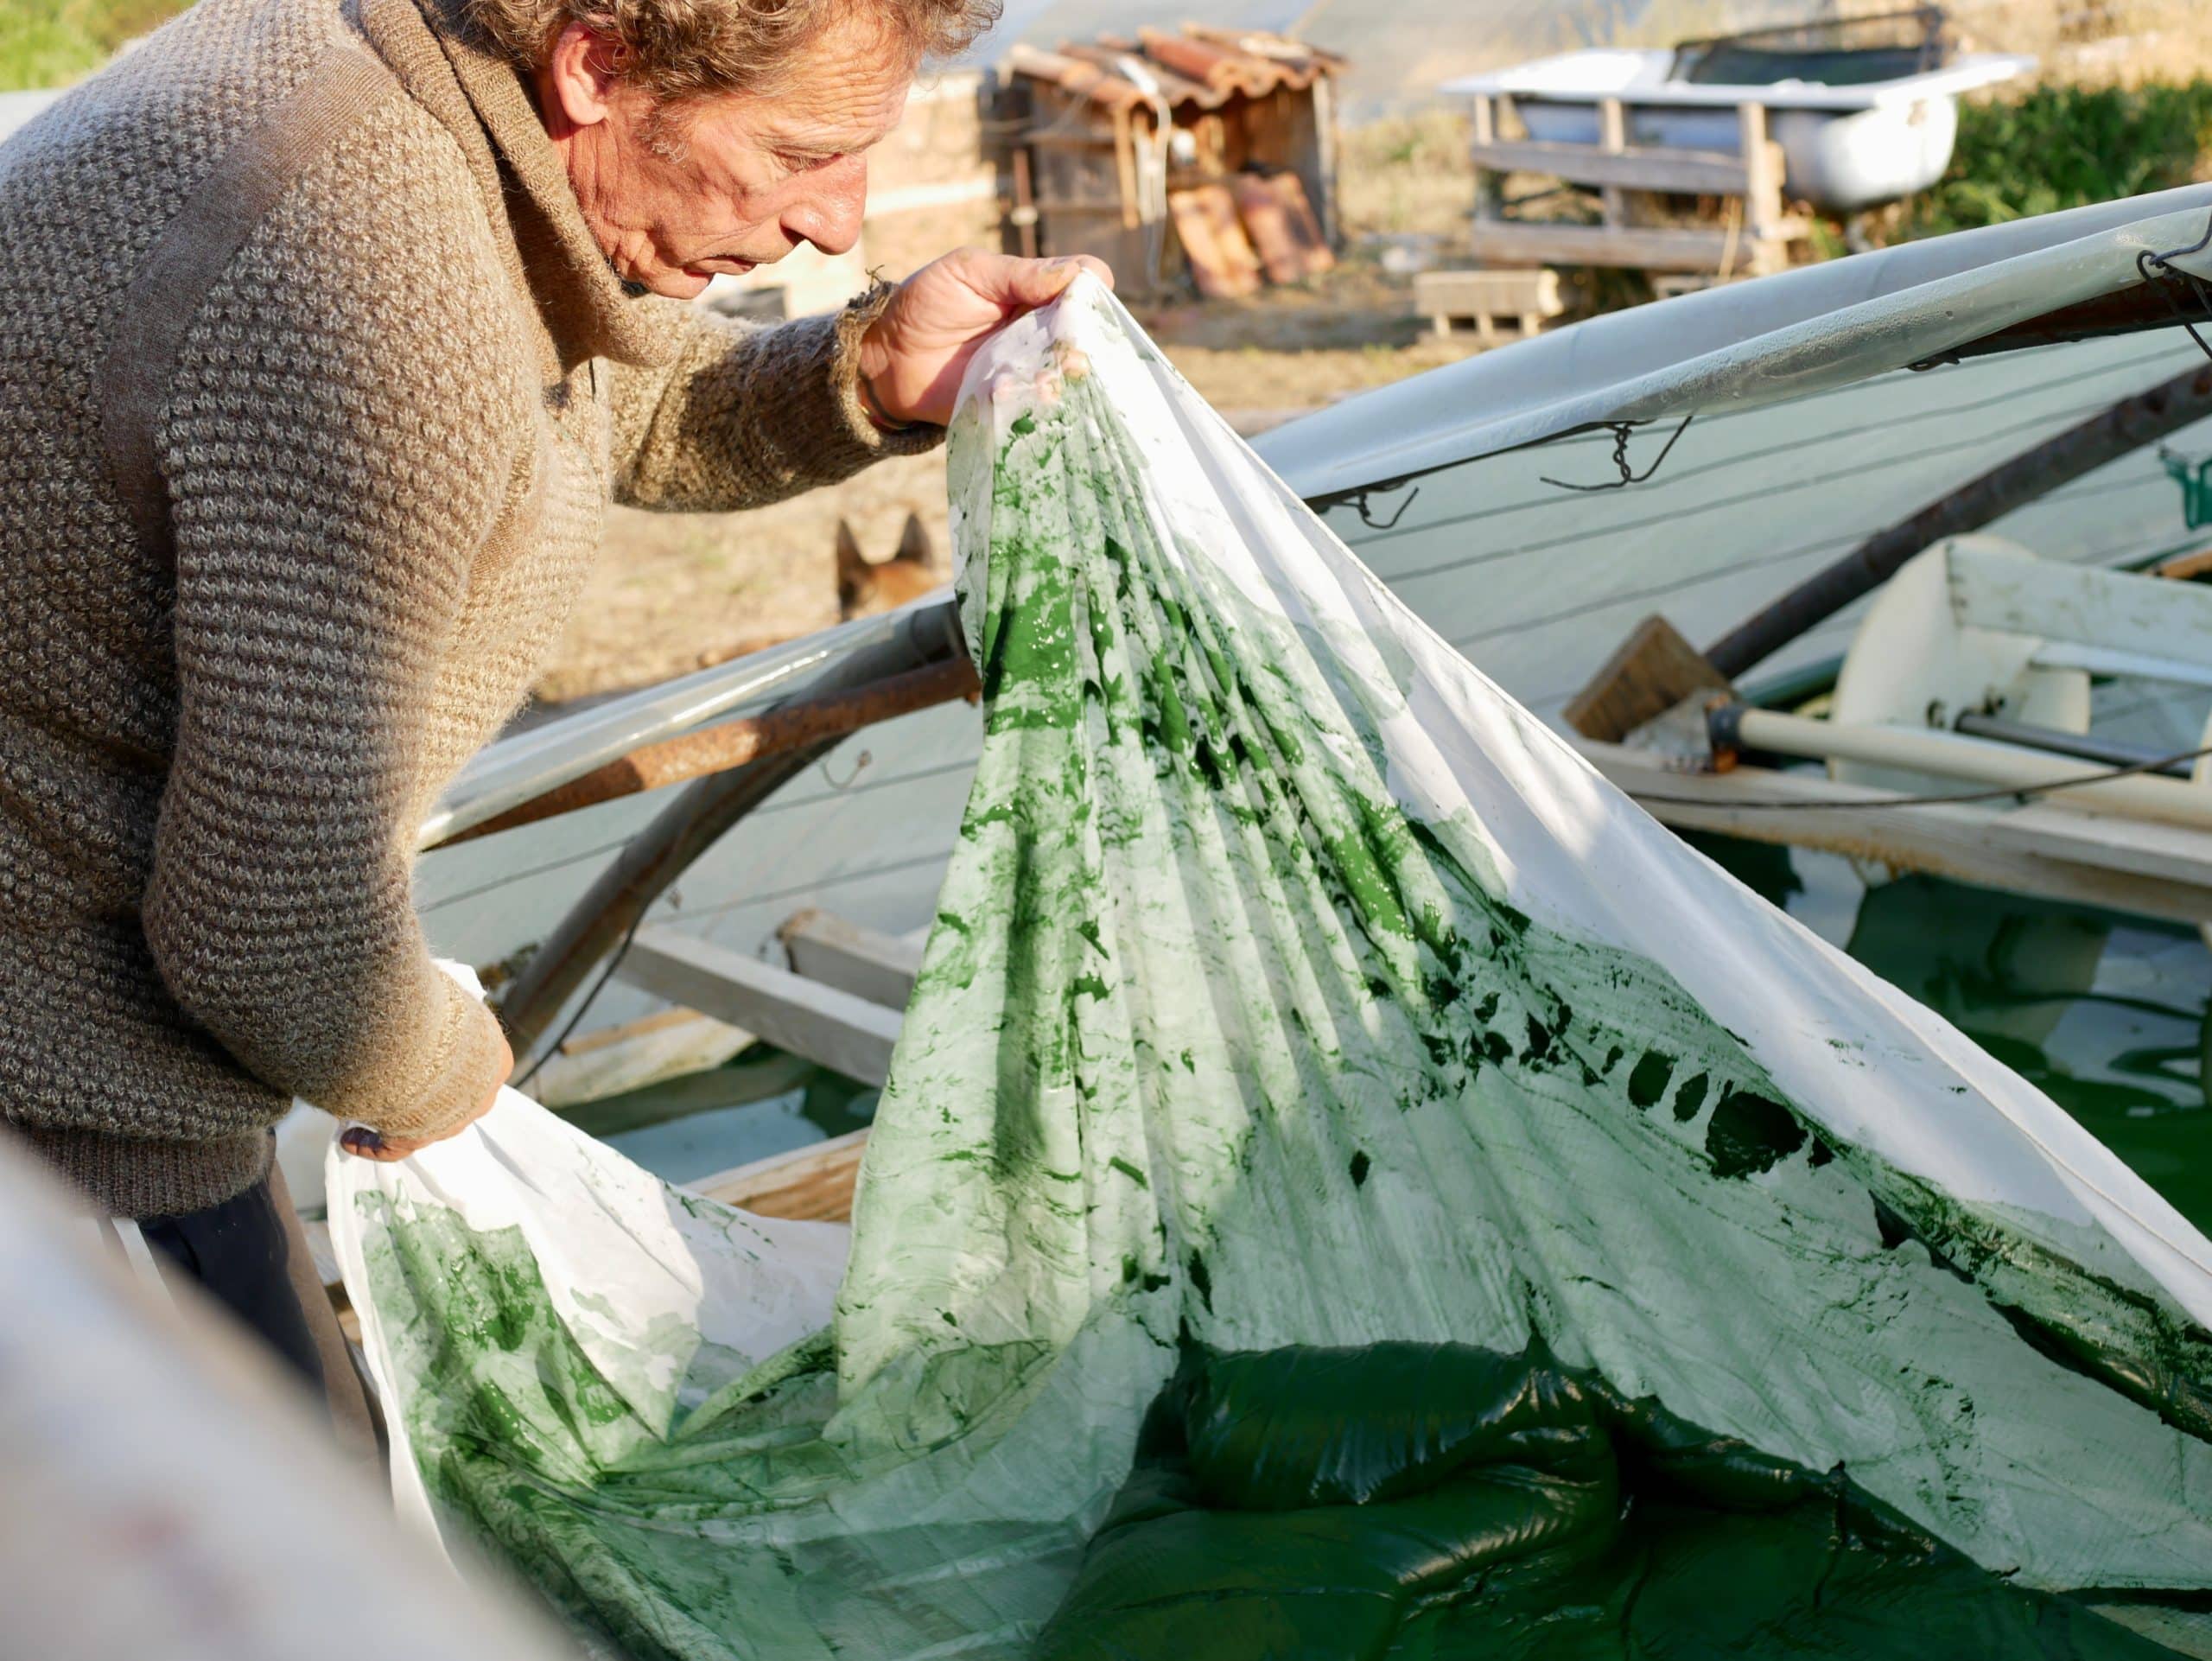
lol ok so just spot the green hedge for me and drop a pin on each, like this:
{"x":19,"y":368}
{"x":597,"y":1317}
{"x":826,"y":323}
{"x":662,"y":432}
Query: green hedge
{"x":2059,"y":147}
{"x":52,"y":43}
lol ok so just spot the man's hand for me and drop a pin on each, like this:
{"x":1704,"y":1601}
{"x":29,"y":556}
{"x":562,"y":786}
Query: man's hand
{"x":365,"y":1143}
{"x":914,"y":355}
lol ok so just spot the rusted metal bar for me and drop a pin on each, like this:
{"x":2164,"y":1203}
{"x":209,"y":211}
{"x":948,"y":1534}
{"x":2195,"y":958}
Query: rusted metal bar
{"x":699,"y":816}
{"x":2127,"y":425}
{"x":736,"y":743}
{"x":597,"y":925}
{"x":2126,"y":311}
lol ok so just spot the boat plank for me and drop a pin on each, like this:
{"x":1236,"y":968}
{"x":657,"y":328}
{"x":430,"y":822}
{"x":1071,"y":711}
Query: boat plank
{"x":812,"y":1183}
{"x":2111,"y":611}
{"x":865,"y":962}
{"x":845,"y":1033}
{"x":2058,"y":852}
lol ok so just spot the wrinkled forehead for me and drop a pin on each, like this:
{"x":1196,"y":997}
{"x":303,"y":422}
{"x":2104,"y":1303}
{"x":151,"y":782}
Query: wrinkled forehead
{"x":847,"y":87}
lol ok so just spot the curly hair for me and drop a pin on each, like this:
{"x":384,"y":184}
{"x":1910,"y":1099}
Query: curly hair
{"x":685,"y":49}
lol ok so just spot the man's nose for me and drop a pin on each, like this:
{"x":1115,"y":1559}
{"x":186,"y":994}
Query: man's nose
{"x":828,"y":214}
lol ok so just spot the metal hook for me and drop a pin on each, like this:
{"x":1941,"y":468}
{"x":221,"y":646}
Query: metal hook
{"x":2145,"y":262}
{"x":1358,"y":503}
{"x":1621,"y":431}
{"x":860,"y":766}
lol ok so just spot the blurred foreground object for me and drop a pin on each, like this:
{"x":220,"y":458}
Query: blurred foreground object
{"x":167,"y":1499}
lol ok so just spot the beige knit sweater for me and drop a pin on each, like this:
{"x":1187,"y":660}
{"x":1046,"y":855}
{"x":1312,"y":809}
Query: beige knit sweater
{"x":384,"y":449}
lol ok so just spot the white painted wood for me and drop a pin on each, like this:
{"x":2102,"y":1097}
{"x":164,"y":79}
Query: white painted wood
{"x":1537,"y":585}
{"x":168,"y":1493}
{"x":845,"y":1033}
{"x":2103,"y":660}
{"x":2058,"y":852}
{"x":2116,"y":611}
{"x":1977,"y":761}
{"x":865,"y":962}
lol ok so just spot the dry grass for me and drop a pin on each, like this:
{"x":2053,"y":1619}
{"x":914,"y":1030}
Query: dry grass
{"x":675,"y":590}
{"x":2094,"y":42}
{"x":1406,"y":174}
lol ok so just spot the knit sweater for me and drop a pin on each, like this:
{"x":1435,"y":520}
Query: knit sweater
{"x":384,"y":449}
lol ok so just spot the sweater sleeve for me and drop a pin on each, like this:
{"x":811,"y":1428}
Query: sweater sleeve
{"x":745,"y":415}
{"x":343,"y":428}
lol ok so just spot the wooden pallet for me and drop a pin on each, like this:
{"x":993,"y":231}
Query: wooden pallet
{"x":1526,"y":298}
{"x":1756,"y":240}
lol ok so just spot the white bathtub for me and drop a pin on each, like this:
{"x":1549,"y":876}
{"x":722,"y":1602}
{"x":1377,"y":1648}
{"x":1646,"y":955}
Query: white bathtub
{"x":1845,"y":148}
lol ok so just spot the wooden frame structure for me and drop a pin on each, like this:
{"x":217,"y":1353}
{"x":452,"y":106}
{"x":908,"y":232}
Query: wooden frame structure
{"x":1127,"y":140}
{"x":1756,"y":241}
{"x":840,"y":1004}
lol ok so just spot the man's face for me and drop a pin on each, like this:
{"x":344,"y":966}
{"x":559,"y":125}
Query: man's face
{"x":724,"y":184}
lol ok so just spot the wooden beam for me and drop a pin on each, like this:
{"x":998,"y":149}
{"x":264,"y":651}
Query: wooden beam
{"x":2183,"y":568}
{"x":845,"y":1033}
{"x":701,"y":814}
{"x":1652,"y":670}
{"x":1517,"y":242}
{"x":1483,"y":116}
{"x":1694,"y":173}
{"x":814,"y":1183}
{"x":1761,"y":173}
{"x":2057,"y":852}
{"x":865,"y":962}
{"x":2119,"y":612}
{"x":1612,"y":138}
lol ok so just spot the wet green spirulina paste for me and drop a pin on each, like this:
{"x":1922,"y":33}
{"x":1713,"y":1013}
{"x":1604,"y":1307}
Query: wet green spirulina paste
{"x":1274,"y":1242}
{"x":1435,"y":1501}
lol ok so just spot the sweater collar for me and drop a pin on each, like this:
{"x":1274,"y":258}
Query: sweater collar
{"x":481,"y":97}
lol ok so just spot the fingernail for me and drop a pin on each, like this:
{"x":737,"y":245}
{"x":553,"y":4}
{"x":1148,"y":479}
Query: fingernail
{"x":361,"y":1140}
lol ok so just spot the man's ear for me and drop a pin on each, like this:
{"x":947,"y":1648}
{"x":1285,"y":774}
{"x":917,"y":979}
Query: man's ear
{"x":578,"y":81}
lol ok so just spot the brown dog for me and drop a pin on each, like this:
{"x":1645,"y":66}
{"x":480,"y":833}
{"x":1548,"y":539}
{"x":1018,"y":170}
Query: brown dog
{"x":864,"y":587}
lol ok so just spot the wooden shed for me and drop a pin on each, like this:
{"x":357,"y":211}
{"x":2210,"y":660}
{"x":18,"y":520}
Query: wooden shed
{"x":1211,"y":150}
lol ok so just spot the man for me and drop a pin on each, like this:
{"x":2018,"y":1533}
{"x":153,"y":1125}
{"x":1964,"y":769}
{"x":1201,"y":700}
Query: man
{"x":332,"y":326}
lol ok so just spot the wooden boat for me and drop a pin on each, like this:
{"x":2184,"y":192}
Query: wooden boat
{"x":1698,"y":458}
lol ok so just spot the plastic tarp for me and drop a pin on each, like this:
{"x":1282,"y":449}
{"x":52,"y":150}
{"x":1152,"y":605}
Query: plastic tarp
{"x":1747,"y":345}
{"x":1349,"y":1184}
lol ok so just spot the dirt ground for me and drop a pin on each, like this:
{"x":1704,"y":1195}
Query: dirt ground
{"x":675,"y":591}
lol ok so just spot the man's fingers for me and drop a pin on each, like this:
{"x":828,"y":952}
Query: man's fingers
{"x":1098,"y":267}
{"x":1029,"y":283}
{"x":364,"y":1144}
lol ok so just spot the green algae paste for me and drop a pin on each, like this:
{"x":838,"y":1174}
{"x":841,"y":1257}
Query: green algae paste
{"x":2110,"y":1013}
{"x":1286,"y":1233}
{"x":1435,"y":1501}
